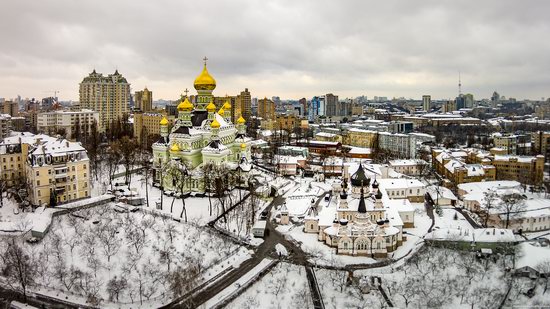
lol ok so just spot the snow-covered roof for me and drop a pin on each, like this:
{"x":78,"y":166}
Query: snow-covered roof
{"x":400,"y":183}
{"x":443,"y":193}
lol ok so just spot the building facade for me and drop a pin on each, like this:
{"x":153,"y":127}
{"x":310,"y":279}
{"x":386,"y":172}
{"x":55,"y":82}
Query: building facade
{"x":201,"y":134}
{"x":108,"y":95}
{"x":56,"y":170}
{"x":73,"y":123}
{"x":143,"y":100}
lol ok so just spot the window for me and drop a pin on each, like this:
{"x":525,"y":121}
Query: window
{"x":38,"y":192}
{"x":73,"y":168}
{"x":37,"y":173}
{"x":74,"y":186}
{"x":38,"y":182}
{"x":311,"y":226}
{"x":4,"y":160}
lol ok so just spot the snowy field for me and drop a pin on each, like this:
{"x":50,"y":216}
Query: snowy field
{"x":100,"y":255}
{"x":285,"y":286}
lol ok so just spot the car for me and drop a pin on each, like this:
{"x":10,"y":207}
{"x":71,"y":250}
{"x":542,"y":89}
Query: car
{"x":32,"y":240}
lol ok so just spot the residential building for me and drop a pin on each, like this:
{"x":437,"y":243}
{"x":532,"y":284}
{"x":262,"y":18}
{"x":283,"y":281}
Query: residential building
{"x":147,"y":126}
{"x":360,"y":138}
{"x":511,"y":144}
{"x":266,"y":109}
{"x":411,"y":167}
{"x":5,"y":125}
{"x":108,"y":95}
{"x":143,"y":100}
{"x":9,"y":107}
{"x":71,"y":124}
{"x":400,"y":145}
{"x":541,"y":143}
{"x":427,"y":102}
{"x":332,"y":106}
{"x":244,"y":105}
{"x":56,"y":169}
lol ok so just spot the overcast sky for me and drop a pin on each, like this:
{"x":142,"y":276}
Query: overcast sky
{"x":290,"y":49}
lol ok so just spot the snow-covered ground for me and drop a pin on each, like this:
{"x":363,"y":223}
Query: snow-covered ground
{"x":241,"y":282}
{"x":86,"y":252}
{"x":447,"y":220}
{"x":285,"y":286}
{"x":340,"y":291}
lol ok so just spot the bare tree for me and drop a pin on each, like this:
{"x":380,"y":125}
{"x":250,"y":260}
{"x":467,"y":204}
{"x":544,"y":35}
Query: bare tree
{"x":544,"y":269}
{"x":512,"y":205}
{"x":17,"y":266}
{"x":490,"y":199}
{"x":116,"y":287}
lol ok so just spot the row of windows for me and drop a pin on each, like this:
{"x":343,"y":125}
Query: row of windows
{"x":11,"y":159}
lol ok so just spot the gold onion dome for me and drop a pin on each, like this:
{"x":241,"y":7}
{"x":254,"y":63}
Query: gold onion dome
{"x":227,"y":105}
{"x":241,"y":120}
{"x":185,"y":105}
{"x":164,"y":121}
{"x":243,"y":145}
{"x":221,"y":112}
{"x":175,"y":147}
{"x":215,"y":124}
{"x":211,"y":107}
{"x":205,"y":81}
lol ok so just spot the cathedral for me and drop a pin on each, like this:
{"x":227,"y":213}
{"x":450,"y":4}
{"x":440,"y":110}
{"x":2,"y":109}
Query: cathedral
{"x":365,"y":221}
{"x":201,"y":134}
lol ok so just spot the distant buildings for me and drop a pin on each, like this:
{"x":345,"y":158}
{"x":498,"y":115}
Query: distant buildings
{"x":541,"y":143}
{"x":427,"y":102}
{"x":243,"y":106}
{"x":143,"y":100}
{"x":108,"y":95}
{"x":266,"y":109}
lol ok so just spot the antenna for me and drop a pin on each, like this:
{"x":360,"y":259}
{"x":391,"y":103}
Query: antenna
{"x":459,"y":85}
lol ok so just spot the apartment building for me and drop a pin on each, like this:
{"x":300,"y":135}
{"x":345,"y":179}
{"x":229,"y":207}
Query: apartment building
{"x":73,"y":123}
{"x":56,"y":169}
{"x":400,"y":145}
{"x":109,"y":95}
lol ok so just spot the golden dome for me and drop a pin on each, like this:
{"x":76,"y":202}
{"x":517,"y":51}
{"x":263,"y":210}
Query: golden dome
{"x":227,"y":105}
{"x":243,"y":145}
{"x":164,"y":121}
{"x":241,"y":120}
{"x":205,"y":81}
{"x":175,"y":148}
{"x":215,"y":124}
{"x":185,"y":105}
{"x":211,"y":107}
{"x":221,"y":112}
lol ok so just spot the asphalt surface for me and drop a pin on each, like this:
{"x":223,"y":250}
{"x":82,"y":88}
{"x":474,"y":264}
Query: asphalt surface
{"x":265,"y":250}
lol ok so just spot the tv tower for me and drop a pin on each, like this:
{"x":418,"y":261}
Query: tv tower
{"x":459,"y":85}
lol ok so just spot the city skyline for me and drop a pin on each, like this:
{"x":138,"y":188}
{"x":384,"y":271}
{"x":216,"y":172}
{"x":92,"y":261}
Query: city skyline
{"x":285,"y":49}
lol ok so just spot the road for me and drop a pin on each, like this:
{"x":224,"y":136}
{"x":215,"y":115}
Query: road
{"x":266,"y":249}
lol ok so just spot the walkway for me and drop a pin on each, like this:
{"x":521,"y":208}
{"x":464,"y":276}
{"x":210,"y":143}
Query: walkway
{"x":316,"y":295}
{"x":474,"y":224}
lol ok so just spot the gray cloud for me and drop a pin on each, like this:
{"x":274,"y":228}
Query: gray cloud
{"x":285,"y":48}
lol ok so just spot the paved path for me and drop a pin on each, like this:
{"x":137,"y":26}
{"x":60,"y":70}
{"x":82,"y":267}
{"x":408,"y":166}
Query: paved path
{"x":316,"y":295}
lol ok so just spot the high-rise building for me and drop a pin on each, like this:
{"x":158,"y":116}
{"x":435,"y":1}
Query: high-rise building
{"x":303,"y":104}
{"x":143,"y":100}
{"x":495,"y":99}
{"x":244,"y":105}
{"x":109,"y":95}
{"x":9,"y":107}
{"x":266,"y":109}
{"x":332,"y":105}
{"x":469,"y":100}
{"x":427,"y":102}
{"x":460,"y":102}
